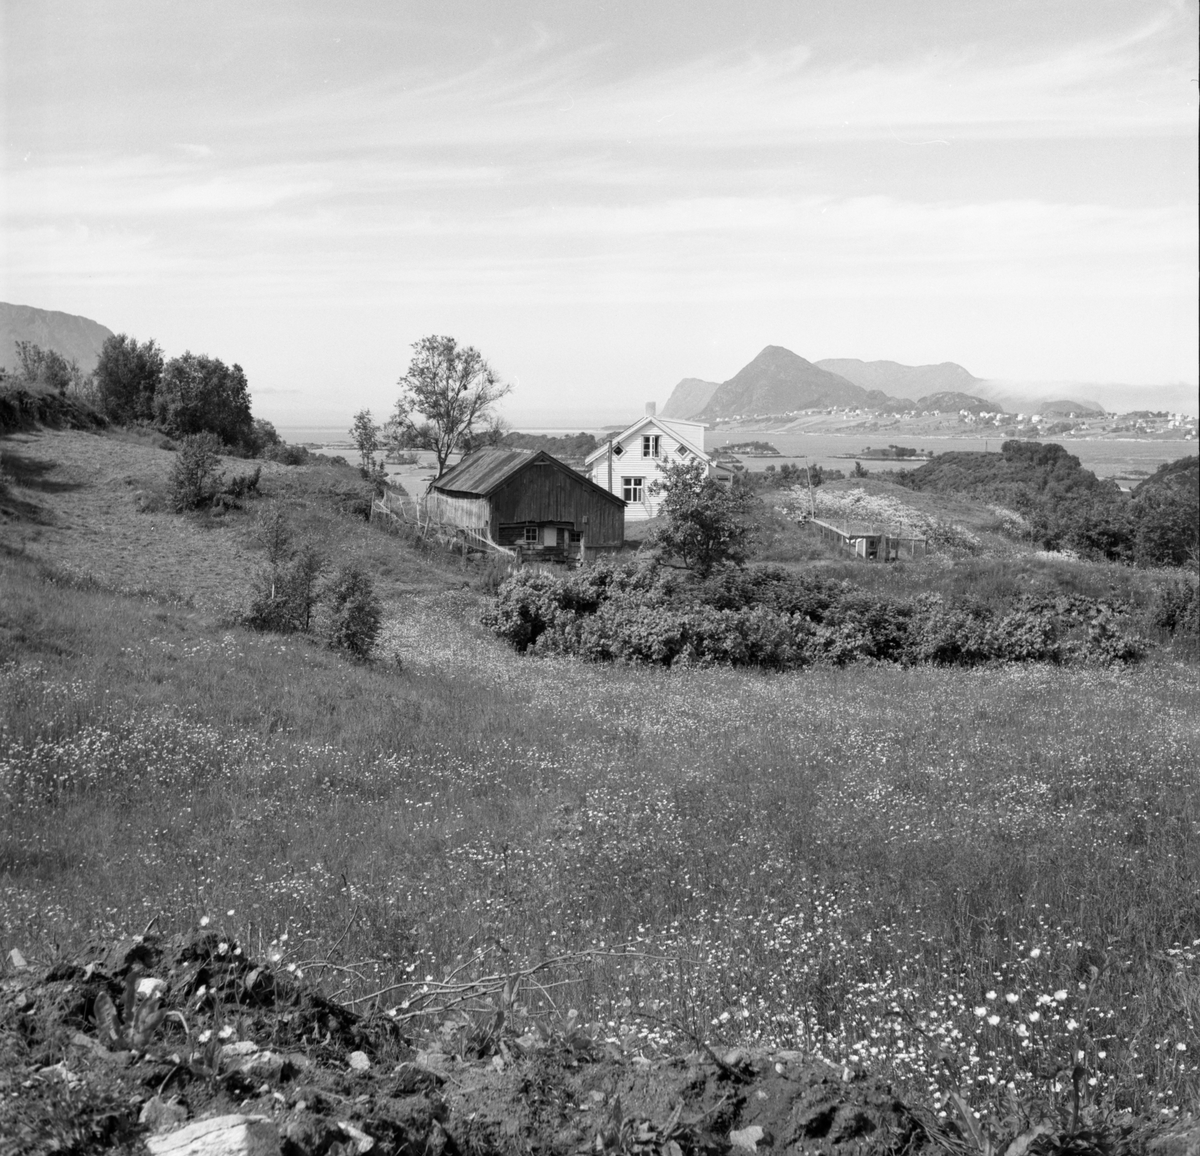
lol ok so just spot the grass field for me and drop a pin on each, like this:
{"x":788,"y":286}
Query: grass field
{"x":953,"y":878}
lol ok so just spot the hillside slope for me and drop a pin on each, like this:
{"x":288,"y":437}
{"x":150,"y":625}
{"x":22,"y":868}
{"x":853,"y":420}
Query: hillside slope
{"x":78,"y":339}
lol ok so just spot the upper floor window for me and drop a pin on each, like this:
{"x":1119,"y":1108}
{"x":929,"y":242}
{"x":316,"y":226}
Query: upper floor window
{"x":631,"y":489}
{"x":650,"y":444}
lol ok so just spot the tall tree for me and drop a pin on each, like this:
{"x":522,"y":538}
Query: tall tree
{"x":367,"y":437}
{"x":202,"y":393}
{"x":447,"y":401}
{"x":127,"y":377}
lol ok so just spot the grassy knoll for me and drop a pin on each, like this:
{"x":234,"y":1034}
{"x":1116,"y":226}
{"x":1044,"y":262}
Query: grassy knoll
{"x":952,"y":878}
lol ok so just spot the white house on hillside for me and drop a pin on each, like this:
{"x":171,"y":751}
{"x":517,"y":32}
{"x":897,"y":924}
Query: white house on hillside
{"x":626,"y":464}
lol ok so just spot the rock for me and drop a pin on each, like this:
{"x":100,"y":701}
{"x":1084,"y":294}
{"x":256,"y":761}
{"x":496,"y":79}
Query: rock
{"x":361,"y":1141}
{"x":747,"y":1139}
{"x":161,"y":1115}
{"x":17,"y":960}
{"x":359,"y":1062}
{"x":219,"y":1136}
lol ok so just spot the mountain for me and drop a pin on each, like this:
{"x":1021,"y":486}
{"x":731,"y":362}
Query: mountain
{"x":78,"y":339}
{"x":1013,"y":398}
{"x":890,"y":377}
{"x":780,"y":381}
{"x":951,"y":401}
{"x":689,"y":397}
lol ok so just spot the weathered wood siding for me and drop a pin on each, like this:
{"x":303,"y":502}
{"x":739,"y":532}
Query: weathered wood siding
{"x":470,"y":513}
{"x":549,"y":493}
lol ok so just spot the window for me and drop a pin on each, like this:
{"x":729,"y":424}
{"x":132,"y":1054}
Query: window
{"x":531,"y":535}
{"x":650,"y":445}
{"x":631,"y":489}
{"x":617,"y":450}
{"x":683,"y":451}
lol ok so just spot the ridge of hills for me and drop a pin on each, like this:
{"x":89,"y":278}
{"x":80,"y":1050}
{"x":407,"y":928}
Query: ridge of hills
{"x":779,"y":381}
{"x":76,"y":338}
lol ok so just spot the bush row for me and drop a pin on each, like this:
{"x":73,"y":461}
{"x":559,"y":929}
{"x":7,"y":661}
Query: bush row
{"x":765,"y":616}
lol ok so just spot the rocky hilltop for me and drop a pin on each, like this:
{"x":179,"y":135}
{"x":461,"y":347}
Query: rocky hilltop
{"x":689,"y":397}
{"x":780,"y":381}
{"x":78,"y":339}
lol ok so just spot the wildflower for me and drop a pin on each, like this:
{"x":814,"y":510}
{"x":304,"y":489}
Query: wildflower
{"x":1061,"y":994}
{"x":981,"y":1012}
{"x":1181,"y":1046}
{"x":1034,"y":1017}
{"x":229,"y":912}
{"x":1102,"y":1054}
{"x":1035,"y":953}
{"x":222,"y":947}
{"x":1072,"y":1024}
{"x":993,"y":1020}
{"x":225,"y":1032}
{"x":1012,"y":997}
{"x":204,"y":920}
{"x":990,"y":995}
{"x":1022,"y":1030}
{"x":204,"y":1036}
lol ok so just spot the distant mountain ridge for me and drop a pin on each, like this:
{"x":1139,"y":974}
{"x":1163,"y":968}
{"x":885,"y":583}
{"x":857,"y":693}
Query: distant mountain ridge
{"x":779,"y":381}
{"x":902,"y":380}
{"x":76,"y":338}
{"x":689,"y":397}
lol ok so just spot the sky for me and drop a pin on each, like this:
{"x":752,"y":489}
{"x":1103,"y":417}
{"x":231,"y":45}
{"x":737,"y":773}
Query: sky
{"x":606,"y":197}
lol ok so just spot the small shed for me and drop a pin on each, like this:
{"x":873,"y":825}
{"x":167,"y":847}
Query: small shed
{"x":528,"y":502}
{"x":874,"y":543}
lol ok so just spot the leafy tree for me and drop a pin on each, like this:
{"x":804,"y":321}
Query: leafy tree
{"x":200,"y":393}
{"x":127,"y":378}
{"x":45,"y":367}
{"x":706,"y":524}
{"x":368,"y":439}
{"x":448,"y":399}
{"x":195,"y":479}
{"x":356,"y":614}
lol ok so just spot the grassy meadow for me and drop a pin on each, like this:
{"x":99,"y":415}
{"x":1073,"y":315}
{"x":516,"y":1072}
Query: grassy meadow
{"x":961,"y":879}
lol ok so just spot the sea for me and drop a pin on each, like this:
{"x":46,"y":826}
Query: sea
{"x":1105,"y":457}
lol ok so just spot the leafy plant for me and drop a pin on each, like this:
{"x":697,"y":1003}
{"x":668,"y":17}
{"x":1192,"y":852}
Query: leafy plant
{"x":134,"y":1027}
{"x":195,"y":479}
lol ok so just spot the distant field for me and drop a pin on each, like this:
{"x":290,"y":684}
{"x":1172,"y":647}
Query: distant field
{"x":955,"y":878}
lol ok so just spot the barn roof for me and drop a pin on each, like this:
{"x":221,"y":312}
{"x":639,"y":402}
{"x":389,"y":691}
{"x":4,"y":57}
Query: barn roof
{"x":484,"y":471}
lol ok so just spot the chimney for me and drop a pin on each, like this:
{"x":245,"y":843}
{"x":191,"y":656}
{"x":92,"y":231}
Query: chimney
{"x":651,"y":409}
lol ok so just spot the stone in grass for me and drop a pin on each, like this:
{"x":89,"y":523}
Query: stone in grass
{"x":161,"y":1115}
{"x":358,"y":1061}
{"x":1182,"y":1140}
{"x":219,"y":1136}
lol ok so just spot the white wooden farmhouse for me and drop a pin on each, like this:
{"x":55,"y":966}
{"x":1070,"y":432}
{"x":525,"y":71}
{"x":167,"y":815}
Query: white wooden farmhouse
{"x":626,"y":464}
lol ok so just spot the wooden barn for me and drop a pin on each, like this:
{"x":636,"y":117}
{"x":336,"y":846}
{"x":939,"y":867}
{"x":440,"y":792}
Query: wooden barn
{"x":529,"y":503}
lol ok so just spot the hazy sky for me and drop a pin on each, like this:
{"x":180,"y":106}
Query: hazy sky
{"x":606,"y":197}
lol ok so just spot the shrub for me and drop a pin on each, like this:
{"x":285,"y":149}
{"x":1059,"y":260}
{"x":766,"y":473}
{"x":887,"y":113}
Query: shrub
{"x":766,"y":617}
{"x":1175,"y":606}
{"x":195,"y":480}
{"x":356,"y":614}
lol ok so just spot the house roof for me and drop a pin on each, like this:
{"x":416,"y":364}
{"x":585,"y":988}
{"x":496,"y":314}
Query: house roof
{"x":486,"y":470}
{"x":684,"y":432}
